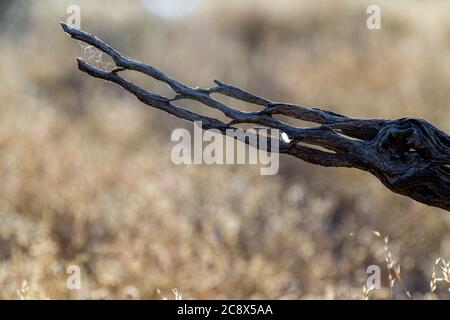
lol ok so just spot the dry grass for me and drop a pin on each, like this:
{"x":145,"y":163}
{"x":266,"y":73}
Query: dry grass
{"x":86,"y":176}
{"x":444,"y":276}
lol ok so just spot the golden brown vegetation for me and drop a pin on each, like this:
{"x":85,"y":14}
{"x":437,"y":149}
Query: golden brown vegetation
{"x":86,"y":176}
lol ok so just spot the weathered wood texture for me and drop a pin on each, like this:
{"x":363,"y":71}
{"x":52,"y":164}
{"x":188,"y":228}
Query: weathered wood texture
{"x":409,"y":156}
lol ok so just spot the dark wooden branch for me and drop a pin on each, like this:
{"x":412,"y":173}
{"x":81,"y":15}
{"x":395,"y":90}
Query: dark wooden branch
{"x":409,"y":156}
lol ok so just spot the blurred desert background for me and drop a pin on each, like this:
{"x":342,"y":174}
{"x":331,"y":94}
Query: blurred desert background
{"x":85,"y":170}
